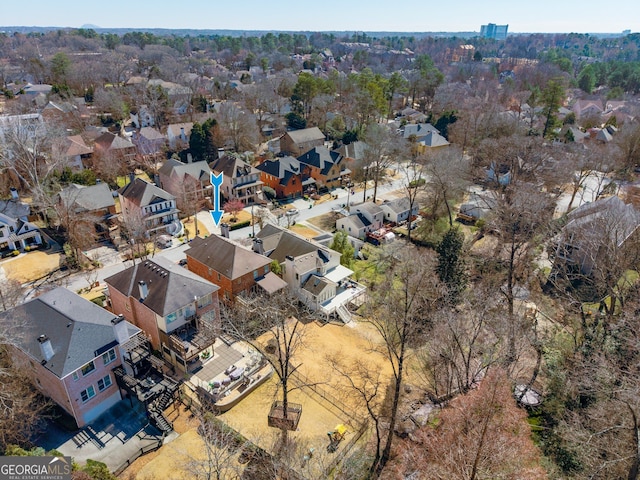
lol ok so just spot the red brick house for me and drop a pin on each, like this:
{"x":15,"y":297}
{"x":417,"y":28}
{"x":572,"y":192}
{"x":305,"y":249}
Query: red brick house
{"x":68,"y":347}
{"x":177,"y":309}
{"x":324,"y":166}
{"x":235,"y":269}
{"x":284,"y":175}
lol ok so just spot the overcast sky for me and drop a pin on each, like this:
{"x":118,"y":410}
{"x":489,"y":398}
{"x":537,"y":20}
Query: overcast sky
{"x":337,"y":15}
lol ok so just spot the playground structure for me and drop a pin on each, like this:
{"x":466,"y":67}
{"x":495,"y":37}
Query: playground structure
{"x":336,"y":436}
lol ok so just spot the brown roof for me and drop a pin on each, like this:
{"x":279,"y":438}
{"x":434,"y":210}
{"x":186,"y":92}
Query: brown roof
{"x":171,"y":286}
{"x":226,"y":257}
{"x":271,"y":283}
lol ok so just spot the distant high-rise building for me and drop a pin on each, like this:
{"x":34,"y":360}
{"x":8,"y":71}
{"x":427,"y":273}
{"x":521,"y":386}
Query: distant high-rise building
{"x":491,"y":30}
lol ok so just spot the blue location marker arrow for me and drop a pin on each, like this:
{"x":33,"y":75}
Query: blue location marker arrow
{"x":216,"y":213}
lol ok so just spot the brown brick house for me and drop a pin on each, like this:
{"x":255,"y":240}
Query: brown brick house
{"x":235,"y":269}
{"x":177,"y":309}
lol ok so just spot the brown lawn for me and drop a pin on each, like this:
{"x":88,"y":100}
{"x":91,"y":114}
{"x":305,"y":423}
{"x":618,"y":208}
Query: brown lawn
{"x":31,"y":266}
{"x":325,"y":222}
{"x":304,"y":231}
{"x":346,"y":343}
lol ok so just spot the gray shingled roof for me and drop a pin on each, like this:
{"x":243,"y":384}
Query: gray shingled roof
{"x":198,"y":170}
{"x":315,"y":284}
{"x":171,"y":286}
{"x":282,"y":168}
{"x":77,"y":329}
{"x":306,"y":135}
{"x":14,"y":208}
{"x":226,"y":257}
{"x":88,"y":199}
{"x":418,"y":129}
{"x":322,"y":158}
{"x":232,"y":167}
{"x":398,"y":205}
{"x":281,"y":242}
{"x":144,"y":193}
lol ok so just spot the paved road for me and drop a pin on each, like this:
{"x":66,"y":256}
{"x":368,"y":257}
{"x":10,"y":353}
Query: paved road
{"x":113,"y":264}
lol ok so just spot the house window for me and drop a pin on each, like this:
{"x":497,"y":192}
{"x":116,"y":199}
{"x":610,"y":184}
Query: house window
{"x":104,"y":382}
{"x":266,"y":269}
{"x":75,"y":376}
{"x":88,"y":368}
{"x":218,"y":276}
{"x":109,"y":357}
{"x":204,"y":301}
{"x":87,"y":394}
{"x":255,"y":274}
{"x":172,"y":317}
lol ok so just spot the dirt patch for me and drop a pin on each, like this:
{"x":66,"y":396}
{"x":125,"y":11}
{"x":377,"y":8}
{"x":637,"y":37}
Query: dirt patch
{"x":31,"y":266}
{"x":325,"y":222}
{"x":241,"y":216}
{"x":190,"y":225}
{"x":304,"y":231}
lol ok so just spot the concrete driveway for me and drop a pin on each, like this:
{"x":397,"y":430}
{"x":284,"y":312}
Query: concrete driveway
{"x":113,"y":438}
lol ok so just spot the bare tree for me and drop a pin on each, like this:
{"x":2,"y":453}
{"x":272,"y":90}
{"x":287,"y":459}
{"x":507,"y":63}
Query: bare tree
{"x":11,"y":293}
{"x":238,"y":127}
{"x":21,"y":408}
{"x":447,"y":174}
{"x":274,"y":327}
{"x":381,"y":147}
{"x":217,"y":459}
{"x":397,"y":311}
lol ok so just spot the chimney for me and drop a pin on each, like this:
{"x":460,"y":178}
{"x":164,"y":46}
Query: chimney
{"x":14,"y":193}
{"x":258,"y":247}
{"x":189,"y":158}
{"x":120,"y":329}
{"x":46,"y":349}
{"x":132,"y":177}
{"x":224,"y":230}
{"x":183,"y":136}
{"x":156,"y":180}
{"x":144,"y":290}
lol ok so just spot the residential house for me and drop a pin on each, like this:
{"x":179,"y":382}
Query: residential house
{"x":178,"y":135}
{"x":312,"y":271}
{"x":412,"y":115}
{"x":237,"y":270}
{"x":93,"y":204}
{"x":431,"y":141}
{"x":176,"y":308}
{"x":143,"y":117}
{"x":284,"y":175}
{"x":16,"y":232}
{"x":588,"y":108}
{"x":418,"y":130}
{"x":74,"y":149}
{"x":142,"y":203}
{"x":240,"y":180}
{"x":115,"y":146}
{"x":68,"y":347}
{"x":399,"y":210}
{"x":297,"y":142}
{"x":362,"y":219}
{"x":593,"y":233}
{"x":324,"y":166}
{"x":178,"y":95}
{"x":189,"y":182}
{"x":149,"y":141}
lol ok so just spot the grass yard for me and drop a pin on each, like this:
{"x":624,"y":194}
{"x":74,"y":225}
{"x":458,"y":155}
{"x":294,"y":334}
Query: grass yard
{"x":325,"y":222}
